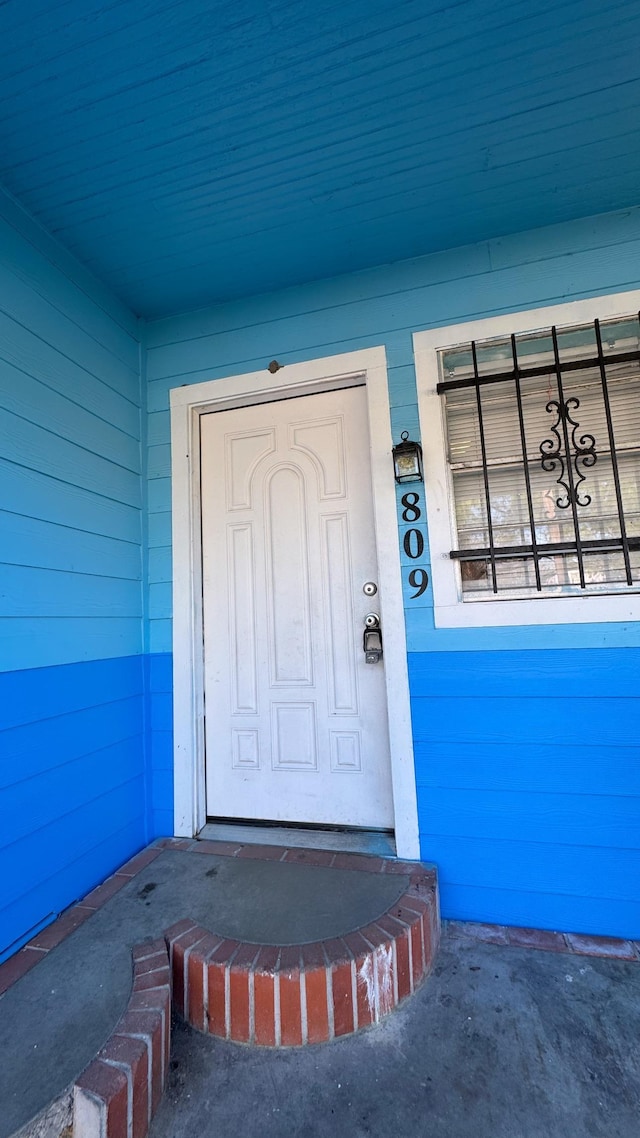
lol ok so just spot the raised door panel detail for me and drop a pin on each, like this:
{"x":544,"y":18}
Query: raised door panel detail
{"x":242,"y":660}
{"x":287,"y":576}
{"x":245,"y":750}
{"x":345,"y":751}
{"x":243,"y":451}
{"x":294,"y":737}
{"x":323,"y":441}
{"x":336,"y":556}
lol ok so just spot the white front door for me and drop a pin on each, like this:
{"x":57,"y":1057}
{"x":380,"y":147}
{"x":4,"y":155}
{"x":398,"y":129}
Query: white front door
{"x":295,"y":719}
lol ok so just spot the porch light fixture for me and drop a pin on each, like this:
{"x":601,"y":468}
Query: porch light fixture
{"x":407,"y":460}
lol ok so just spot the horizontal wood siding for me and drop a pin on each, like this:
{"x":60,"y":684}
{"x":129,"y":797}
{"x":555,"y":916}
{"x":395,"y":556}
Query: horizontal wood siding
{"x":160,"y":756}
{"x":73,"y":786}
{"x":70,"y":461}
{"x":528,"y":770}
{"x":383,"y":306}
{"x":526,"y":738}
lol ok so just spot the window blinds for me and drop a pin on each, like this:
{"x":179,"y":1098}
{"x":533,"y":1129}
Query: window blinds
{"x":590,"y":440}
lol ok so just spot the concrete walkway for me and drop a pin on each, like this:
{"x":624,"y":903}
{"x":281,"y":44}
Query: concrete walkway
{"x":55,"y":1019}
{"x":500,"y":1042}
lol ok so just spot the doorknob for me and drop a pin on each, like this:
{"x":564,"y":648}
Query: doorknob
{"x":372,"y":640}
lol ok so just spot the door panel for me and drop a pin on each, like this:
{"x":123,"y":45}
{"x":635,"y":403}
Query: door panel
{"x":296,"y":723}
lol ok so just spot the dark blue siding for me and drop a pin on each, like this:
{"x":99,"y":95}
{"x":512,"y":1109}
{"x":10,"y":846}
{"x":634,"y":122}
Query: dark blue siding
{"x":72,"y":785}
{"x":160,"y":754}
{"x":528,"y":774}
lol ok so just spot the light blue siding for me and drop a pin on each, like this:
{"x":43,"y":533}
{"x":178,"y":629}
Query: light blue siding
{"x":526,"y":754}
{"x":70,"y":477}
{"x":385,"y":306}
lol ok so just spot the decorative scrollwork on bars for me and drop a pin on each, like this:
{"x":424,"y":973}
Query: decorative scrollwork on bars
{"x":552,"y":452}
{"x":584,"y":453}
{"x":585,"y":458}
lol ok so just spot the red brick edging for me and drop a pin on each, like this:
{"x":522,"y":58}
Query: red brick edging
{"x":120,"y":1091}
{"x":579,"y":944}
{"x":26,"y":958}
{"x":307,"y":993}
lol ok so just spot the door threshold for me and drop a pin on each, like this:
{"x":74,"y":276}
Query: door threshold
{"x":378,"y":842}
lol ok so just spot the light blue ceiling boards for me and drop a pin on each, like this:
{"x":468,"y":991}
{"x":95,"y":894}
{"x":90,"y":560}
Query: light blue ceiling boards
{"x":197,"y":151}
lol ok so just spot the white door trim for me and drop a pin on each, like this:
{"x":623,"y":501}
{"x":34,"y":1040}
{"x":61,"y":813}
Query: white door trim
{"x":187,"y":404}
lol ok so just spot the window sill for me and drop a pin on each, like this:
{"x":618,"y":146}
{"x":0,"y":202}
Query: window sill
{"x":557,"y":610}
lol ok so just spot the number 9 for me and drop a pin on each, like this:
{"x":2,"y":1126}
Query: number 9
{"x":418,"y":579}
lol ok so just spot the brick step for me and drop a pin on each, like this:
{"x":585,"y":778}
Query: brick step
{"x":269,"y":995}
{"x":288,"y":996}
{"x":117,"y":1095}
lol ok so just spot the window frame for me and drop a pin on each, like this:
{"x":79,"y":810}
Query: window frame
{"x":450,"y":609}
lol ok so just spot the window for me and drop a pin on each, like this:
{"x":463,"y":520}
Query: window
{"x":531,"y":431}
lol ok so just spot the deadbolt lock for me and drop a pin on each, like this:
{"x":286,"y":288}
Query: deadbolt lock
{"x":372,"y":640}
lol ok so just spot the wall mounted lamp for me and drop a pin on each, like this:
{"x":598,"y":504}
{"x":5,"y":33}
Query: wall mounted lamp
{"x":407,"y":460}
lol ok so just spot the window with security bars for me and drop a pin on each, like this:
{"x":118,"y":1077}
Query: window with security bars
{"x":543,"y":447}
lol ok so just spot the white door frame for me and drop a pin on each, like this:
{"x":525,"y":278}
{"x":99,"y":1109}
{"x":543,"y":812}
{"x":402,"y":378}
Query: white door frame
{"x":187,"y":404}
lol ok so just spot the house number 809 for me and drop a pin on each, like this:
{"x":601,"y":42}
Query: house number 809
{"x":413,"y":542}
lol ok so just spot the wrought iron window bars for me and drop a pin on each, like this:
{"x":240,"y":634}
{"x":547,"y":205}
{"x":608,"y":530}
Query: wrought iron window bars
{"x":569,"y":453}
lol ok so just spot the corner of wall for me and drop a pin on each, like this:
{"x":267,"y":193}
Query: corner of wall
{"x":144,"y":580}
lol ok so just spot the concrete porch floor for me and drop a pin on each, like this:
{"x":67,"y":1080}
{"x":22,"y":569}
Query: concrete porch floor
{"x":501,"y":1042}
{"x":56,"y":1017}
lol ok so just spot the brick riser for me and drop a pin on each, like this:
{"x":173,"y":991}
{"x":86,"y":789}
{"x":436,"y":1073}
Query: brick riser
{"x":308,"y":993}
{"x":119,"y":1092}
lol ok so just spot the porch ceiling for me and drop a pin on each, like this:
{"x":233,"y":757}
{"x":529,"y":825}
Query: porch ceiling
{"x":194,"y":151}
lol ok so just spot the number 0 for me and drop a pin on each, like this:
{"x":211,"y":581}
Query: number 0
{"x":413,"y":544}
